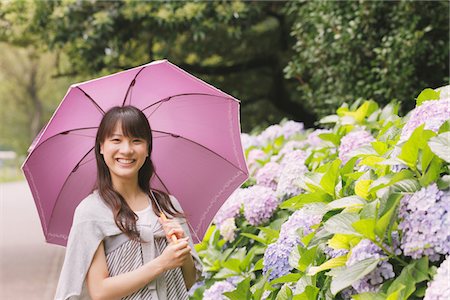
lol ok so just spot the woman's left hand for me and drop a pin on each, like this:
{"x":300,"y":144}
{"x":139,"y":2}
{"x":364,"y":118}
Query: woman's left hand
{"x":172,"y":227}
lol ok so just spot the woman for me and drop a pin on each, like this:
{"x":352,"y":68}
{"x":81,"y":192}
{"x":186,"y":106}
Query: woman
{"x":118,"y":247}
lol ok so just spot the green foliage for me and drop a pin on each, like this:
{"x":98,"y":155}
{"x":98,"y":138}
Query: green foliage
{"x":358,"y":200}
{"x":379,"y":50}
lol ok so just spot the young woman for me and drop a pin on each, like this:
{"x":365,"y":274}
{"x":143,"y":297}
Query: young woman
{"x":119,"y":246}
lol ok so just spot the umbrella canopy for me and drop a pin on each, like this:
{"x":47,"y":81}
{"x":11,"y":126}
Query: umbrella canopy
{"x":197,"y":151}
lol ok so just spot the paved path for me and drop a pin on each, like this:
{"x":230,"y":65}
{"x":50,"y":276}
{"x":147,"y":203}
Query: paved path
{"x":29,"y":267}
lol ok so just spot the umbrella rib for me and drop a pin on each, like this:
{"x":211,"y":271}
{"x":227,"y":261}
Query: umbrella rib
{"x":160,"y":180}
{"x":187,"y":94}
{"x":206,"y":148}
{"x":92,"y":100}
{"x":131,"y":85}
{"x":65,"y":181}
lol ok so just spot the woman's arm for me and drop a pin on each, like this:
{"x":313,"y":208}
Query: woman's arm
{"x":189,"y":272}
{"x":101,"y":286}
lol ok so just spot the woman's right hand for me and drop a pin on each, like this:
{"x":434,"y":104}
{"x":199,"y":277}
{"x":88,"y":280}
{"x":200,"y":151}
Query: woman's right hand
{"x":175,"y":254}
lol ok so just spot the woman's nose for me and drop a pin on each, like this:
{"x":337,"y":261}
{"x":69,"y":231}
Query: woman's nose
{"x":126,"y":147}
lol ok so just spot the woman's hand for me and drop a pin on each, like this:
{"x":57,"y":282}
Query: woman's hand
{"x":172,"y":227}
{"x":175,"y":254}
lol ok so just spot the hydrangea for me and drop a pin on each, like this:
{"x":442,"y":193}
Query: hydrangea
{"x":439,"y":288}
{"x":270,"y":134}
{"x":215,"y":292}
{"x":353,"y":141}
{"x":424,"y":222}
{"x":249,"y":141}
{"x":333,"y":253}
{"x":431,"y":113}
{"x":444,"y":91}
{"x":302,"y":220}
{"x":292,"y":168}
{"x":230,"y":208}
{"x":291,"y":128}
{"x":252,"y":159}
{"x":259,"y":204}
{"x":384,"y":270}
{"x":227,"y":229}
{"x":276,"y":259}
{"x":290,"y":146}
{"x":268,"y":175}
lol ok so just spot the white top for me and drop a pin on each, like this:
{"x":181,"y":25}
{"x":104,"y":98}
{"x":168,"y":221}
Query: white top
{"x":145,"y":216}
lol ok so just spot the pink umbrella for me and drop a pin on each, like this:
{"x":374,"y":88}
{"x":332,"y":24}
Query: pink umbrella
{"x":197,"y":150}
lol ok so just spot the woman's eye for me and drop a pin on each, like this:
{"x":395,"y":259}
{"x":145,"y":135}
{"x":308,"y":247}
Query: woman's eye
{"x":115,"y":140}
{"x":137,"y":141}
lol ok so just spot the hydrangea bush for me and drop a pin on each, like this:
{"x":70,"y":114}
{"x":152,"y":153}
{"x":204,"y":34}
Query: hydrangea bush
{"x":357,"y":209}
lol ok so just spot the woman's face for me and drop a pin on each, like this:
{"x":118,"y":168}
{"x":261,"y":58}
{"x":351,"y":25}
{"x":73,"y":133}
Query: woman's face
{"x":123,"y":155}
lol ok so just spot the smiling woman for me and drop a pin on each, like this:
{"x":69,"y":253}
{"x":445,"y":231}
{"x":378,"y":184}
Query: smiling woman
{"x":126,"y":251}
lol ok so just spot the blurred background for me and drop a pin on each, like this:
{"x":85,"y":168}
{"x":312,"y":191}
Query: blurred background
{"x":298,"y":60}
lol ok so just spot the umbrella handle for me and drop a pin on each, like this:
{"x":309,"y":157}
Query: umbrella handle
{"x":173,"y":237}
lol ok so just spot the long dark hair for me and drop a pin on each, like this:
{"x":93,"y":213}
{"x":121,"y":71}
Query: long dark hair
{"x":134,"y":124}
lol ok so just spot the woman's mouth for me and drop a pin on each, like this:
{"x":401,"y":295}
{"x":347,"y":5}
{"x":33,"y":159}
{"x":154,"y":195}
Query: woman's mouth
{"x":125,"y":162}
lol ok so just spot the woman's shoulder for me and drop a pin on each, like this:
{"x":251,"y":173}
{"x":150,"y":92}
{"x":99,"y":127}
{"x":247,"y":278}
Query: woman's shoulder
{"x":92,"y":208}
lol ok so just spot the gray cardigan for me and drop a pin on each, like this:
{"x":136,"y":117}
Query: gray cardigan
{"x":93,"y":222}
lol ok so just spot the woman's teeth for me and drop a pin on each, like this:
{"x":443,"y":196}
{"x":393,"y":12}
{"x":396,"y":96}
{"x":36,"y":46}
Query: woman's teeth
{"x":125,"y":161}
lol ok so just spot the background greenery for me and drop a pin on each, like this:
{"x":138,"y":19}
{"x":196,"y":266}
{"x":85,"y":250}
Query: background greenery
{"x":297,"y":59}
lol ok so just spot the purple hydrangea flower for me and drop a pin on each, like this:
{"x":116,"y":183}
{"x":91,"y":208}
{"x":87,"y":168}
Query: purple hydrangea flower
{"x":372,"y":281}
{"x":276,"y":259}
{"x":259,"y":204}
{"x":353,"y":141}
{"x":290,"y":146}
{"x":230,"y":208}
{"x":270,"y":134}
{"x":439,"y":288}
{"x":215,"y":292}
{"x":291,"y":128}
{"x":301,"y":220}
{"x":431,"y":113}
{"x":292,"y":168}
{"x":249,"y":141}
{"x":424,"y":222}
{"x":333,"y":253}
{"x":268,"y":175}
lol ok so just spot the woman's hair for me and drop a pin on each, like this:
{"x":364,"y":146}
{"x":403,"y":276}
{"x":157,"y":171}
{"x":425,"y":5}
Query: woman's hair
{"x":134,"y":124}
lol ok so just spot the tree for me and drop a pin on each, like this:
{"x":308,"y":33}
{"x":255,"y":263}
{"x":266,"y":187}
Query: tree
{"x":240,"y":47}
{"x":379,"y":50}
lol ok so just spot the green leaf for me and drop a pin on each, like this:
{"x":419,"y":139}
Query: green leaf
{"x":427,"y":94}
{"x":345,"y":276}
{"x":366,"y":227}
{"x":299,"y":201}
{"x":329,"y":179}
{"x":362,"y":188}
{"x":432,"y":173}
{"x":329,"y":264}
{"x":350,"y":201}
{"x":343,"y":241}
{"x":342,"y":223}
{"x":380,"y":147}
{"x":444,"y":182}
{"x":258,"y":288}
{"x":242,"y":291}
{"x":387,"y":218}
{"x":290,"y":277}
{"x":259,"y":265}
{"x":440,"y":145}
{"x":369,"y":296}
{"x":232,"y":264}
{"x":331,"y":137}
{"x":415,"y":272}
{"x":306,"y":257}
{"x":255,"y":237}
{"x":271,"y":234}
{"x":284,"y":294}
{"x":310,"y":293}
{"x":410,"y":149}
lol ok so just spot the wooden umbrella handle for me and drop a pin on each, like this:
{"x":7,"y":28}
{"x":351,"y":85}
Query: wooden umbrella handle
{"x":173,"y":236}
